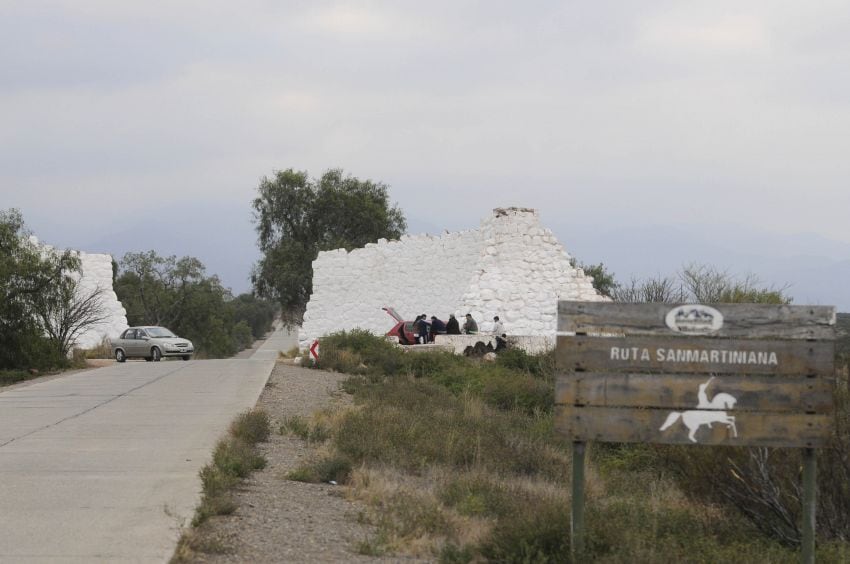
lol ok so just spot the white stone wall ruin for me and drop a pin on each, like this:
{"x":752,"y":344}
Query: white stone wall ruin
{"x":96,"y":272}
{"x":510,"y":266}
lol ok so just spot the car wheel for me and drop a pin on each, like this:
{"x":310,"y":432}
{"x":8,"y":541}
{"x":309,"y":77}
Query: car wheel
{"x":156,"y":354}
{"x":187,"y":356}
{"x":120,"y":356}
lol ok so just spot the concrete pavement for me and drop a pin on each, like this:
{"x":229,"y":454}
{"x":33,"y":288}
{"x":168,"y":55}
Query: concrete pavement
{"x":279,"y":341}
{"x":102,"y":465}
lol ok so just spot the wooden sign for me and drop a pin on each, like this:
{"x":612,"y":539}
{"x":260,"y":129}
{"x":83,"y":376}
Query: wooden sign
{"x":726,"y":374}
{"x":748,"y":374}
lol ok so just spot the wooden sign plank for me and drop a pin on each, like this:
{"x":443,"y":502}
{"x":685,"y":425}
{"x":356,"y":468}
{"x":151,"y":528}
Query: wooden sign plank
{"x":694,"y":355}
{"x":682,"y":391}
{"x":739,"y":320}
{"x":696,"y":427}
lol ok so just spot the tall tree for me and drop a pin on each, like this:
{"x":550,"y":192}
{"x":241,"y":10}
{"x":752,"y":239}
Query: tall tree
{"x":297,"y":217}
{"x":155,"y":289}
{"x":43,"y":308}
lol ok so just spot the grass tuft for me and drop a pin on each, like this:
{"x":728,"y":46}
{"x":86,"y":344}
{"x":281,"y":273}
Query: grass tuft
{"x":252,"y":426}
{"x":333,"y":468}
{"x":234,"y":458}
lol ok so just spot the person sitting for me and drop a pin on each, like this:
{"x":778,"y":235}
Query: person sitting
{"x":437,"y":327}
{"x":470,"y":327}
{"x":452,"y":327}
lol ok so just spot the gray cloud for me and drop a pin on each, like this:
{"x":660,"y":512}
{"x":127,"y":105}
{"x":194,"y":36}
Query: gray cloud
{"x":628,"y":113}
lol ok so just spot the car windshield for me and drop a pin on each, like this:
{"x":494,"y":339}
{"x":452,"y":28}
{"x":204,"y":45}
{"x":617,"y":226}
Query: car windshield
{"x":160,"y":332}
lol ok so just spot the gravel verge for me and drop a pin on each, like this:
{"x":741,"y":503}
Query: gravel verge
{"x":279,"y":520}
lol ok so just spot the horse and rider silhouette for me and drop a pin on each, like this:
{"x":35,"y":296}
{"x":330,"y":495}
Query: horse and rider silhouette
{"x":707,"y":412}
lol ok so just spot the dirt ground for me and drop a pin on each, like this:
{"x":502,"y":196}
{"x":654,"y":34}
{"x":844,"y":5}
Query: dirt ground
{"x":279,"y":520}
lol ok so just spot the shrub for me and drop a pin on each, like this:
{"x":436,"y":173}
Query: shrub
{"x":300,"y":427}
{"x":413,"y":423}
{"x":241,"y":336}
{"x":537,"y":532}
{"x":216,"y":481}
{"x":360,"y":352}
{"x":478,"y":494}
{"x":541,"y":366}
{"x":253,"y":426}
{"x":237,"y":457}
{"x":9,"y":377}
{"x":329,"y":468}
{"x":296,"y":425}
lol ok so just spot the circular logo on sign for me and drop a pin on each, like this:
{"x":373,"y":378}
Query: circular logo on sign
{"x":694,"y":319}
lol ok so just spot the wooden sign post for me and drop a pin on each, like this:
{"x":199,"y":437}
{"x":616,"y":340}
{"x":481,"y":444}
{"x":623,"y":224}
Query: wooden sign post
{"x":725,"y":374}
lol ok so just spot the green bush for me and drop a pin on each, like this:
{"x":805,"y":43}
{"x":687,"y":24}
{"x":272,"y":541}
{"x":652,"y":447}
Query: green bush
{"x":242,"y":336}
{"x":411,"y":424}
{"x":479,"y":494}
{"x":541,"y":366}
{"x":536,"y":532}
{"x":9,"y":377}
{"x":360,"y":352}
{"x":216,"y":481}
{"x":29,"y":349}
{"x":300,"y":427}
{"x":253,"y":426}
{"x":237,"y":457}
{"x":322,"y":470}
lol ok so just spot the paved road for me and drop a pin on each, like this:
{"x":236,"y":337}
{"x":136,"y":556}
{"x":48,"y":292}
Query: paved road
{"x":102,"y":465}
{"x":279,"y":341}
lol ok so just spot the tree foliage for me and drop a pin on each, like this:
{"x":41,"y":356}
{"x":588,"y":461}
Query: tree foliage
{"x":602,"y":280}
{"x":296,"y":217}
{"x":42,"y":308}
{"x":178,"y":294}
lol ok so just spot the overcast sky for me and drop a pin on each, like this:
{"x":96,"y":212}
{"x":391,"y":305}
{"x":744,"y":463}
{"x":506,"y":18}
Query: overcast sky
{"x":125,"y":123}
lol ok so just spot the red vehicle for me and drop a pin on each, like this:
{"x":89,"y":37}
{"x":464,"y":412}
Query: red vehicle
{"x":404,"y":330}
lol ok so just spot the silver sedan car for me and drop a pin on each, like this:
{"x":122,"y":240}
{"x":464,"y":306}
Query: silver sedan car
{"x":150,"y":343}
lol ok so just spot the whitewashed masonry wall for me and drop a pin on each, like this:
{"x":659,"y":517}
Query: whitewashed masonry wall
{"x":510,"y":266}
{"x":97,"y":273}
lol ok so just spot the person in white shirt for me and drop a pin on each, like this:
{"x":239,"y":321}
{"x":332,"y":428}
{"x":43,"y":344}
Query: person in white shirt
{"x":498,"y":327}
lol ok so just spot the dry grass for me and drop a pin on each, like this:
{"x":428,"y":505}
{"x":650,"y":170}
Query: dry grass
{"x":460,"y":461}
{"x":234,"y":458}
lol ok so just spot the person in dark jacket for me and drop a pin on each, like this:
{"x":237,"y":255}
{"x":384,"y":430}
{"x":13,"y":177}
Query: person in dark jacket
{"x":402,"y":338}
{"x":470,"y":327}
{"x":452,"y":327}
{"x":437,"y":327}
{"x":422,"y":329}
